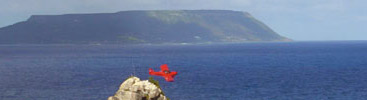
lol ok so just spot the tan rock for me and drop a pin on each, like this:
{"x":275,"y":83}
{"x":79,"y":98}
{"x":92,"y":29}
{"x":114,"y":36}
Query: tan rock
{"x":135,"y":89}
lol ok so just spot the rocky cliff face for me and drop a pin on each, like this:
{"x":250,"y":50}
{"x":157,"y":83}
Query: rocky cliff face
{"x":131,"y":27}
{"x":135,"y":89}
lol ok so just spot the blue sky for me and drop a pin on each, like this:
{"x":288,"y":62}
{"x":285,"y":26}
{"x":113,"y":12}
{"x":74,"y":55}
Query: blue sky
{"x":296,"y":19}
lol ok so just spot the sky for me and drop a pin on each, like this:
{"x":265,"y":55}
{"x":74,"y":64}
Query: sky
{"x":301,"y":20}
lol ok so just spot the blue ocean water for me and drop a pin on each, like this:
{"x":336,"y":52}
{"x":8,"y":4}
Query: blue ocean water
{"x":249,"y":71}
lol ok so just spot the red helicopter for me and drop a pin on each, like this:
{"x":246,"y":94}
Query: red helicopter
{"x":165,"y":72}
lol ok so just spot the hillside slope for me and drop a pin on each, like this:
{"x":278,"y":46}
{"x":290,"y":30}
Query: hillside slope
{"x":127,"y":27}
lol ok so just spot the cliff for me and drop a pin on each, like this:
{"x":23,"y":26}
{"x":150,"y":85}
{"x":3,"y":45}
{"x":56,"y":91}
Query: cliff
{"x":135,"y":89}
{"x":131,"y":27}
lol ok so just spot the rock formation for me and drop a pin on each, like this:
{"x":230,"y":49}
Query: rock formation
{"x":135,"y":89}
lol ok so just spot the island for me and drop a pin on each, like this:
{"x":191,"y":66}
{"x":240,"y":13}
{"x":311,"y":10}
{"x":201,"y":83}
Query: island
{"x":140,"y":27}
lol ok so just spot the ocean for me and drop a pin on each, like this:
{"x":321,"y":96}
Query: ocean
{"x":318,"y":70}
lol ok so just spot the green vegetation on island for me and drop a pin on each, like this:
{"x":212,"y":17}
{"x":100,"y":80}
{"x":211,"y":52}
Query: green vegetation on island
{"x":136,"y":27}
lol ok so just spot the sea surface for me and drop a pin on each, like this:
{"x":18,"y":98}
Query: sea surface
{"x":324,"y":70}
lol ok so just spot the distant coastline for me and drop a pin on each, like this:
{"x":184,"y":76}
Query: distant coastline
{"x":141,"y":27}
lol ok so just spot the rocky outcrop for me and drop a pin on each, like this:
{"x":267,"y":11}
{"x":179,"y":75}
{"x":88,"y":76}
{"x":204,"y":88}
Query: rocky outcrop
{"x":135,"y":89}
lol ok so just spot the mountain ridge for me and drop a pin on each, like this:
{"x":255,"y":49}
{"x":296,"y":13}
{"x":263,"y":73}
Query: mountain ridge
{"x":140,"y":26}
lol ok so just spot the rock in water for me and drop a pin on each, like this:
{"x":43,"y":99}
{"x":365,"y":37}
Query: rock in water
{"x":135,"y":89}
